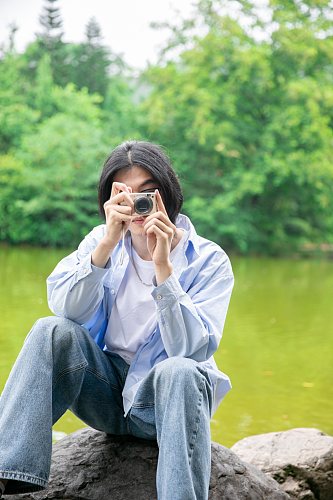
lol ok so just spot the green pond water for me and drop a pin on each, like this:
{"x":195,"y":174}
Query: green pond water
{"x":276,"y":346}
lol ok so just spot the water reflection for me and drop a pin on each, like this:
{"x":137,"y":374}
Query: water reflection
{"x":278,"y":342}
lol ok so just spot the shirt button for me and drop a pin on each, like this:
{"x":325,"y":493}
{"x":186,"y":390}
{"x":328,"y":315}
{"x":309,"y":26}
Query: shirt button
{"x":112,"y":291}
{"x":159,"y":297}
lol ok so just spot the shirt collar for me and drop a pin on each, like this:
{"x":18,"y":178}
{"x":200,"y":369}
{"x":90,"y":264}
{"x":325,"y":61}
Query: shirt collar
{"x":183,"y":222}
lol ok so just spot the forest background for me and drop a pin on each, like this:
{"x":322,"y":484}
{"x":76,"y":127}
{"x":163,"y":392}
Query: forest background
{"x":241,"y":98}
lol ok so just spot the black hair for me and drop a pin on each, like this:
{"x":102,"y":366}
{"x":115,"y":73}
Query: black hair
{"x":153,"y":159}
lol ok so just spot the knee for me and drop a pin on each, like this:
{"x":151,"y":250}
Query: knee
{"x":52,"y":329}
{"x":184,"y":379}
{"x":178,"y":369}
{"x":53,"y":322}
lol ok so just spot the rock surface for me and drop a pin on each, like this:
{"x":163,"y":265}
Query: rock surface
{"x":301,"y":460}
{"x":91,"y":465}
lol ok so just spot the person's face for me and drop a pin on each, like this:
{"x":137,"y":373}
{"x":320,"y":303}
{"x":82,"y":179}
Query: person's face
{"x":141,"y":181}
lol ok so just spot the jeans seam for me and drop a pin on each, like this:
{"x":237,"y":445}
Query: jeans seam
{"x":197,"y":421}
{"x":72,"y":369}
{"x":101,"y":377}
{"x":22,"y":476}
{"x":32,"y":476}
{"x":143,"y":405}
{"x":78,"y":367}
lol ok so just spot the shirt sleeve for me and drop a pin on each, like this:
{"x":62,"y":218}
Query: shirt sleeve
{"x":191,"y":323}
{"x":75,"y":288}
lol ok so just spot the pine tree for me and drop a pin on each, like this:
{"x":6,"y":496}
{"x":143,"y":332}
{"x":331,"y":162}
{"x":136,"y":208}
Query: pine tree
{"x":93,"y":61}
{"x":51,"y":21}
{"x":50,"y":41}
{"x":13,"y":28}
{"x":93,"y":32}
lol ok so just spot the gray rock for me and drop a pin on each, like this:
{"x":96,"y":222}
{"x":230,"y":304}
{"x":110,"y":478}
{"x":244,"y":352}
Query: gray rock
{"x":301,"y":460}
{"x":91,"y":465}
{"x":233,"y":479}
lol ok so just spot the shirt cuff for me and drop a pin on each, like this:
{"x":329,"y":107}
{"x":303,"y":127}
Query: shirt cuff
{"x":90,"y":272}
{"x":167,"y":292}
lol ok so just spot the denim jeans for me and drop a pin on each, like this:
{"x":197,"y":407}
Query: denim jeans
{"x":60,"y":367}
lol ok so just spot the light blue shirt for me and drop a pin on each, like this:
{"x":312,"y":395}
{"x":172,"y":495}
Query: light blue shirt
{"x":191,"y":304}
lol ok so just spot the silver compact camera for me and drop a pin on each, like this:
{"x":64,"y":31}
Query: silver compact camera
{"x":144,"y":203}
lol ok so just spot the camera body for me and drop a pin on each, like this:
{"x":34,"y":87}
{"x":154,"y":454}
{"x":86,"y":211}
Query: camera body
{"x":144,"y":203}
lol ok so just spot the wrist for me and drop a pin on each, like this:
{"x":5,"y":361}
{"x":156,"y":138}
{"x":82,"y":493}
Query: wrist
{"x":102,"y":252}
{"x":163,"y":271}
{"x":107,"y":244}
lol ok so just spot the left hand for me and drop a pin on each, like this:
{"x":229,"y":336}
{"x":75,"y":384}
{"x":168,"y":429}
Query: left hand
{"x":160,"y":232}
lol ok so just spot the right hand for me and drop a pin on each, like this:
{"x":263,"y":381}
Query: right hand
{"x":118,"y":217}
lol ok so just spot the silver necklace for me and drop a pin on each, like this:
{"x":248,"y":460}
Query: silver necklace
{"x":136,"y":271}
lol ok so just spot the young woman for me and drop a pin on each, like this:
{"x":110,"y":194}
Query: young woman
{"x":139,"y":311}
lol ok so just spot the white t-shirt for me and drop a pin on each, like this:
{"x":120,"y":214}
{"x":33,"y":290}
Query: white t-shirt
{"x":133,"y":314}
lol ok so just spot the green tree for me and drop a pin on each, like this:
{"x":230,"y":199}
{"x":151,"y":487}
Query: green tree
{"x":90,"y":61}
{"x":16,"y":117}
{"x":47,"y":43}
{"x":93,"y":32}
{"x":121,"y":114}
{"x":54,"y":138}
{"x":250,"y":124}
{"x":12,"y":192}
{"x":88,"y":64}
{"x":42,"y":91}
{"x":51,"y":21}
{"x":62,"y":160}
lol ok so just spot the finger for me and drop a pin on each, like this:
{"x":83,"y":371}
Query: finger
{"x":123,"y":197}
{"x":160,"y":204}
{"x":117,"y":187}
{"x":158,"y":233}
{"x":160,"y":216}
{"x":121,"y":209}
{"x":118,"y":217}
{"x":161,"y":225}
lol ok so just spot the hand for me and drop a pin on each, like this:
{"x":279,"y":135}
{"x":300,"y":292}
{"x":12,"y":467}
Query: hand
{"x":160,"y":233}
{"x":118,"y":217}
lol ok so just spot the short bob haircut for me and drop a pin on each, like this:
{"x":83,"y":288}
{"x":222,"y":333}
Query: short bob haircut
{"x":153,"y":159}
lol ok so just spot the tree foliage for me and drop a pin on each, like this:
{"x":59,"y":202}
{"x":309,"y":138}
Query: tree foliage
{"x":51,"y":21}
{"x":55,"y":131}
{"x":250,"y":123}
{"x":242,"y":99}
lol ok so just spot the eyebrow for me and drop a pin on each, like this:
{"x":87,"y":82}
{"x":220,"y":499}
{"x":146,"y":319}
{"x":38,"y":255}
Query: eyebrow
{"x":147,"y":182}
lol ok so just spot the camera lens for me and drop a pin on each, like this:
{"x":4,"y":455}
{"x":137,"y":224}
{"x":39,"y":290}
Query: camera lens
{"x":143,"y":205}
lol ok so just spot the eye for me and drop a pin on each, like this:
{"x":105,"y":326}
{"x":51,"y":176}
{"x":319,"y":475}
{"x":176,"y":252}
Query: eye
{"x":150,"y":190}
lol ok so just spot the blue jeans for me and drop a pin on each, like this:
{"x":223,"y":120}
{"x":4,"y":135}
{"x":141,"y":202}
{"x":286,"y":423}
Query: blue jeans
{"x":60,"y":367}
